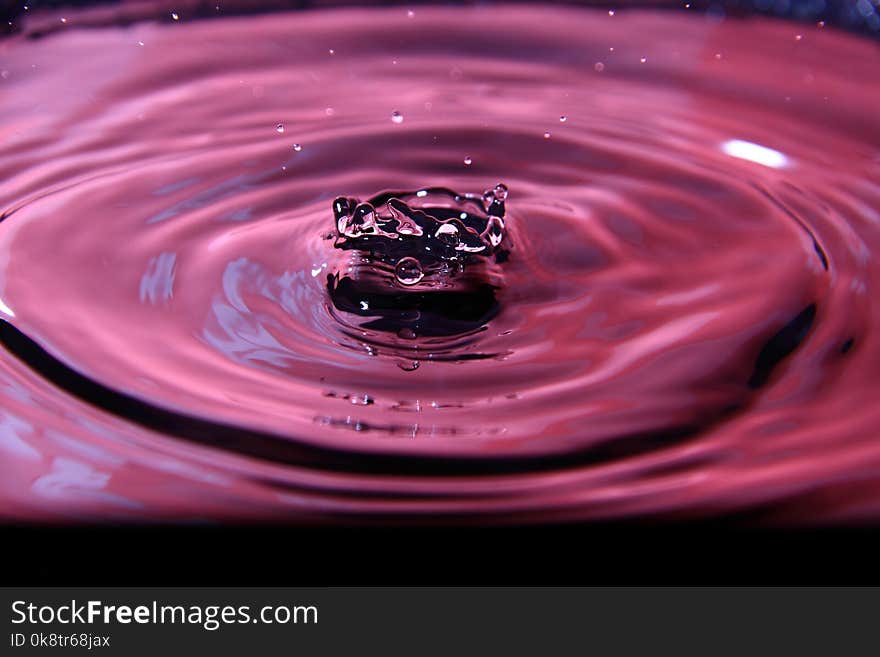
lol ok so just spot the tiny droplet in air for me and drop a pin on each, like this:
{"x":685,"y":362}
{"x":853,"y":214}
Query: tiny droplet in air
{"x":396,"y":117}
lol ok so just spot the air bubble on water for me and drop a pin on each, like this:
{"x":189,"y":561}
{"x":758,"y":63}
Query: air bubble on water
{"x":279,"y":128}
{"x":408,"y":271}
{"x":563,"y":118}
{"x":174,"y":17}
{"x":468,"y":160}
{"x":396,"y":117}
{"x":297,"y":147}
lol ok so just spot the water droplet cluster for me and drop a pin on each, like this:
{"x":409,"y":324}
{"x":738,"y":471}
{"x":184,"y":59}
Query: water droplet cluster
{"x":433,"y":232}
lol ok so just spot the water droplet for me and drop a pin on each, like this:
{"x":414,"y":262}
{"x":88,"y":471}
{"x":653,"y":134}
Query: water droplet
{"x":546,"y":135}
{"x":174,"y":17}
{"x":448,"y":234}
{"x":494,"y":232}
{"x":331,"y":51}
{"x":63,"y":20}
{"x":643,"y":60}
{"x":718,"y":55}
{"x":406,"y":334}
{"x":408,"y":271}
{"x":563,"y":118}
{"x":611,"y":12}
{"x":468,"y":160}
{"x":329,"y":111}
{"x":297,"y":147}
{"x":140,"y":43}
{"x":396,"y":117}
{"x":798,"y":37}
{"x":820,"y":24}
{"x":279,"y":128}
{"x":599,"y":66}
{"x":500,"y":192}
{"x":409,"y":366}
{"x":410,"y":14}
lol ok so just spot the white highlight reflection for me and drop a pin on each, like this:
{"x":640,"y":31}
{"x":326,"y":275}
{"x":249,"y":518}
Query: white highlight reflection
{"x":6,"y":310}
{"x":746,"y":150}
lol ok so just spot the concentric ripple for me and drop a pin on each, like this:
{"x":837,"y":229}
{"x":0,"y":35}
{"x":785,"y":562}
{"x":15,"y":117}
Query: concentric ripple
{"x":686,"y":323}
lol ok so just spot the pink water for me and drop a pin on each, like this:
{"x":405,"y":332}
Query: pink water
{"x":686,"y":326}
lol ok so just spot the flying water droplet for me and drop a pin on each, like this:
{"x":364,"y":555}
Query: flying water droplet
{"x":297,"y":147}
{"x":546,"y":135}
{"x":468,"y":160}
{"x":563,"y":118}
{"x":396,"y":117}
{"x":174,"y":16}
{"x":408,"y":271}
{"x":279,"y":128}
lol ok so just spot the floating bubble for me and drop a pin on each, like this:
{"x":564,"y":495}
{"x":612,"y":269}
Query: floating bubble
{"x":408,"y":271}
